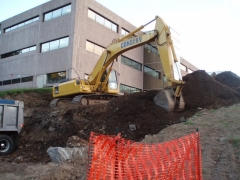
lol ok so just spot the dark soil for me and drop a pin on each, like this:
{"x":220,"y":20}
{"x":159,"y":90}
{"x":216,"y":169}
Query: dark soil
{"x":229,"y":79}
{"x":201,"y":90}
{"x":45,"y":127}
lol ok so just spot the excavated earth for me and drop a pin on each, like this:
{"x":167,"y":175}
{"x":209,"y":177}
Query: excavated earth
{"x":229,"y":79}
{"x":45,"y":126}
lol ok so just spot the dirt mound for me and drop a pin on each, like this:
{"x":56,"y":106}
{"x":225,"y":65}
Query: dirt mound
{"x":201,"y":90}
{"x":229,"y":79}
{"x":136,"y":110}
{"x":134,"y":116}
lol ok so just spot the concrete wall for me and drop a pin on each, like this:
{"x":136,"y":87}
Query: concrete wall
{"x":74,"y":59}
{"x":35,"y":63}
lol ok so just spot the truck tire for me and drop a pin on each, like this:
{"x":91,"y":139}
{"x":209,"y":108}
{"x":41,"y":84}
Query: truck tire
{"x":6,"y":144}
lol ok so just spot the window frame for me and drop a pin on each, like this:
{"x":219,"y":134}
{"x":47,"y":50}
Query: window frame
{"x":114,"y":26}
{"x":51,"y":12}
{"x":151,"y":72}
{"x":49,"y":47}
{"x":128,"y":89}
{"x":26,"y":79}
{"x":131,"y":63}
{"x":183,"y":67}
{"x":126,"y":32}
{"x":94,"y":47}
{"x":58,"y":77}
{"x":17,"y":52}
{"x":24,"y":23}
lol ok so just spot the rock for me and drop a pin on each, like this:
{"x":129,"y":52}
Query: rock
{"x":75,"y":141}
{"x":54,"y":113}
{"x":19,"y":159}
{"x":222,"y":139}
{"x":132,"y":127}
{"x":182,"y":119}
{"x":51,"y":129}
{"x":59,"y":154}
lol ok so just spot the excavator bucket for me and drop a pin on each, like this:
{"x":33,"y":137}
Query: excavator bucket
{"x":166,"y":99}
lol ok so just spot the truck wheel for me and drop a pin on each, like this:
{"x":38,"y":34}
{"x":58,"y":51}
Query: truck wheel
{"x":6,"y":144}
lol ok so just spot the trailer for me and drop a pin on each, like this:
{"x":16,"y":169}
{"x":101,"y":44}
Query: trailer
{"x":11,"y":124}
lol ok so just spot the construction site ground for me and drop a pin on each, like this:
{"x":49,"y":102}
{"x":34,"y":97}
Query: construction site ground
{"x":212,"y":106}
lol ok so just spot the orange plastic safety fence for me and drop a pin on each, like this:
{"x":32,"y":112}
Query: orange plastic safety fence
{"x":112,"y":157}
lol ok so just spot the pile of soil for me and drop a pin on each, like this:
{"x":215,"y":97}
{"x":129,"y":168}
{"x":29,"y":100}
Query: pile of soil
{"x":45,"y":127}
{"x":201,"y":90}
{"x":136,"y":110}
{"x":229,"y":79}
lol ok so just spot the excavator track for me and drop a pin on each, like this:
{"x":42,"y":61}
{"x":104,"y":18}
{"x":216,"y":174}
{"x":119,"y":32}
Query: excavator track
{"x":85,"y":100}
{"x":93,"y":99}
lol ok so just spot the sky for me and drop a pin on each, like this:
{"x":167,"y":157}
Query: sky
{"x":209,"y":30}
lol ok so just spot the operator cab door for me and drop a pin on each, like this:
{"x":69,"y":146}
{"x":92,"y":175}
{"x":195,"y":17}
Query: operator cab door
{"x":112,"y":82}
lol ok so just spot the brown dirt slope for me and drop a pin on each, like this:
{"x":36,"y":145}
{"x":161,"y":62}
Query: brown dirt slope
{"x":229,"y":79}
{"x":201,"y":90}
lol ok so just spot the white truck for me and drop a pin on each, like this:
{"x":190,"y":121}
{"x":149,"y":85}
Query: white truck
{"x":11,"y":124}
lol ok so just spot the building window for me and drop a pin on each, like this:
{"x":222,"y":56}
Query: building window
{"x":128,"y":89}
{"x":190,"y":71}
{"x":15,"y":81}
{"x":94,"y":48}
{"x":56,"y":77}
{"x":56,"y":44}
{"x":102,"y":20}
{"x":21,"y":24}
{"x":57,"y":13}
{"x":124,"y":32}
{"x":131,"y":63}
{"x":27,"y":79}
{"x":21,"y":51}
{"x":151,"y":72}
{"x":152,"y":49}
{"x":7,"y":82}
{"x":164,"y":78}
{"x":184,"y":68}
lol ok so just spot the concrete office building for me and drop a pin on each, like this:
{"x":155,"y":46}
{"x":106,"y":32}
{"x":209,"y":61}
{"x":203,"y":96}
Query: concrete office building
{"x":63,"y":39}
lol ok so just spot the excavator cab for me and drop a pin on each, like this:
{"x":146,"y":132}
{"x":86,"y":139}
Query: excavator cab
{"x":112,"y":84}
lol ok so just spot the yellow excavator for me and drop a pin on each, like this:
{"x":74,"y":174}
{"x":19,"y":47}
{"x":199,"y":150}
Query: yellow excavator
{"x":102,"y":84}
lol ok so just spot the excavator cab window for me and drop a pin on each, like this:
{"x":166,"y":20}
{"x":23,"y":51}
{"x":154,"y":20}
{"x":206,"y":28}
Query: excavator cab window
{"x":112,"y":80}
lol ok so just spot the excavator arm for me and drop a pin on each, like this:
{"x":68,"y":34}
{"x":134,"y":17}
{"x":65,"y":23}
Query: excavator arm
{"x":112,"y":52}
{"x":162,"y":36}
